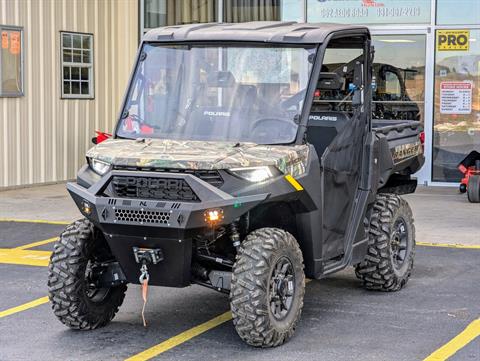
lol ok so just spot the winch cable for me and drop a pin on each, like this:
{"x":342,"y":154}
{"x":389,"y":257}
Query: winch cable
{"x":144,"y":278}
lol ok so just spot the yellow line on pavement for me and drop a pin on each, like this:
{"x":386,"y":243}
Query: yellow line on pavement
{"x":24,"y":257}
{"x":181,"y":338}
{"x":461,"y":340}
{"x":25,"y":306}
{"x":184,"y":336}
{"x":36,"y":244}
{"x":448,"y":245}
{"x":33,"y":221}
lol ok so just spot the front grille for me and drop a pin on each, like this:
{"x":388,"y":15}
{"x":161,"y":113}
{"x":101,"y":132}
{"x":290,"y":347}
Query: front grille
{"x":167,"y":189}
{"x":139,"y":216}
{"x":211,"y":176}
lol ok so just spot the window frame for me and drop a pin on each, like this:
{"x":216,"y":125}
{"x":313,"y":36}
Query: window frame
{"x":21,"y":93}
{"x":90,"y":66}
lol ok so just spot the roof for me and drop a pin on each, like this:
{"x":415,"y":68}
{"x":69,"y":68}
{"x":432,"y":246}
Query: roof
{"x":257,"y":31}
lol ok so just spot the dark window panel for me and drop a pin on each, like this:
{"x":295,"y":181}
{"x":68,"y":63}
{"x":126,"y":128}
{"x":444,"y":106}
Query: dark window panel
{"x":67,"y":55}
{"x":75,"y":71}
{"x":84,"y":74}
{"x":66,"y":87}
{"x":77,"y":41}
{"x":86,"y":56}
{"x":75,"y":87}
{"x":66,"y":73}
{"x":67,"y":40}
{"x":86,"y":41}
{"x":77,"y":56}
{"x":84,"y":87}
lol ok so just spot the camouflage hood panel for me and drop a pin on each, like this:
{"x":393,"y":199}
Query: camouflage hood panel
{"x":200,"y":155}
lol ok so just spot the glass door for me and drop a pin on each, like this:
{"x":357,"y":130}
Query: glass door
{"x":456,"y":120}
{"x":401,"y":72}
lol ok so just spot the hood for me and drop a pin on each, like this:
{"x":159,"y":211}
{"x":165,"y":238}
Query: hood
{"x":159,"y":153}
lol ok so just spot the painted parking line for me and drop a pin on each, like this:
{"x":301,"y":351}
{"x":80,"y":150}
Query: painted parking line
{"x":33,"y":221}
{"x":448,"y":245}
{"x":471,"y":332}
{"x":25,"y":306}
{"x":184,"y":336}
{"x":24,"y":257}
{"x":181,"y":338}
{"x":36,"y":244}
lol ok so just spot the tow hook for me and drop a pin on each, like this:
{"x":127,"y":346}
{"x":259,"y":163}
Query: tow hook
{"x":146,"y":256}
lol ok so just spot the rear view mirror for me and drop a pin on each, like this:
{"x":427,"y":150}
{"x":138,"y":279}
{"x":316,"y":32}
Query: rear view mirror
{"x":330,"y":81}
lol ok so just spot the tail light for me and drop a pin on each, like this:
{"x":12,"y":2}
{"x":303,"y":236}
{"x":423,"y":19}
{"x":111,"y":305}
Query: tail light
{"x":422,"y":138}
{"x":101,"y":136}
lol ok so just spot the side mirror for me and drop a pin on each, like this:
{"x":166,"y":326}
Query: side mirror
{"x":330,"y":81}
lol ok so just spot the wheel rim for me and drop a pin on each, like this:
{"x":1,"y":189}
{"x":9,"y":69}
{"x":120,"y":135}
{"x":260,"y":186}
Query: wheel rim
{"x":399,"y":243}
{"x":94,"y":293}
{"x":282,"y":288}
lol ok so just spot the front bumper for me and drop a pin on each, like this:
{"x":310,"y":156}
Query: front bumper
{"x":151,"y":223}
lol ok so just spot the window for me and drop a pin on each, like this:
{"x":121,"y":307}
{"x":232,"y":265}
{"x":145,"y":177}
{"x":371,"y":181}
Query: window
{"x":458,"y":12}
{"x":456,"y":118}
{"x":399,"y":77}
{"x":249,"y":93}
{"x":338,"y":67}
{"x":170,"y":12}
{"x":369,"y":11}
{"x":77,"y":65}
{"x":11,"y":61}
{"x":261,"y":10}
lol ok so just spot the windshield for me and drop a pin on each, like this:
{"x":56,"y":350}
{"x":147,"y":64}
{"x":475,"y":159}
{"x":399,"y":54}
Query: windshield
{"x":217,"y":93}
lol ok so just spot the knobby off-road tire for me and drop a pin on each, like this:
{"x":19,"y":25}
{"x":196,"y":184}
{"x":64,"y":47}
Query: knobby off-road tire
{"x":391,"y":246}
{"x":473,"y":189}
{"x":266,"y":304}
{"x":73,"y":301}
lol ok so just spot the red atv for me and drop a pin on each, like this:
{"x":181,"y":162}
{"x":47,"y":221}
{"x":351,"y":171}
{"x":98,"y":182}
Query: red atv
{"x":470,"y":183}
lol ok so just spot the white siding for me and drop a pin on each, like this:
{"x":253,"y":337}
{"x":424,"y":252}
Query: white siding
{"x":44,"y":138}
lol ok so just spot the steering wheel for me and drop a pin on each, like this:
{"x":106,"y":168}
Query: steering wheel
{"x":266,"y":133}
{"x":257,"y":122}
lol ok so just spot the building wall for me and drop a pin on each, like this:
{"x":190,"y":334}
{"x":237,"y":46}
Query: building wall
{"x":43,"y":138}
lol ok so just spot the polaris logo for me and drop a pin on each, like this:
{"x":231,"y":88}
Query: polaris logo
{"x":323,"y":117}
{"x":216,"y":114}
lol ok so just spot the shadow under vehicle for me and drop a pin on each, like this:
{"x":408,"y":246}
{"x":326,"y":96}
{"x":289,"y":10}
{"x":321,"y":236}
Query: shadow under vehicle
{"x":222,"y":173}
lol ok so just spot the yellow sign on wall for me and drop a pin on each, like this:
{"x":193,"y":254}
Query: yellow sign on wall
{"x":453,"y":40}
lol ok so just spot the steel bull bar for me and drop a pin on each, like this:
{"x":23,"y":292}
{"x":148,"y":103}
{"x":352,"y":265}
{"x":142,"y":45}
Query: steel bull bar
{"x":129,"y":223}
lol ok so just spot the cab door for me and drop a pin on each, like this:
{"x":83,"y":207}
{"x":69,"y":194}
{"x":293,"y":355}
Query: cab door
{"x":341,"y":162}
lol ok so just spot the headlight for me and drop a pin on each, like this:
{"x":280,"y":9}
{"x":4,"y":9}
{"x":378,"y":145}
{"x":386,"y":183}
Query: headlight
{"x":256,"y":174}
{"x":99,"y":167}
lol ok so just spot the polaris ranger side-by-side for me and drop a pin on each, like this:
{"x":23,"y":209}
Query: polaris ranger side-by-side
{"x":240,"y":164}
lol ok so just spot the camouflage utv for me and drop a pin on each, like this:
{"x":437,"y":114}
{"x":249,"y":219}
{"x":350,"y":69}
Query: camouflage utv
{"x":227,"y":169}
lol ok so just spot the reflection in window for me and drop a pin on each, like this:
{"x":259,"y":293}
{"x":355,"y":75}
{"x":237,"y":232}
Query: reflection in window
{"x":251,"y":10}
{"x":452,"y":12}
{"x":262,"y":10}
{"x":399,"y":77}
{"x":11,"y":81}
{"x":457,"y":108}
{"x":177,"y":12}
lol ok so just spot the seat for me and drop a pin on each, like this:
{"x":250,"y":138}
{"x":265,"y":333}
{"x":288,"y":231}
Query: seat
{"x":323,"y":127}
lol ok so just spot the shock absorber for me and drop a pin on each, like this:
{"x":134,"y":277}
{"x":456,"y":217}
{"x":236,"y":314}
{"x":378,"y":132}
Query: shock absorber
{"x":235,"y":234}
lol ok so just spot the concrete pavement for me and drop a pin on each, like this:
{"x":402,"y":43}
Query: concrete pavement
{"x":442,"y":214}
